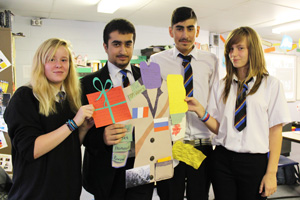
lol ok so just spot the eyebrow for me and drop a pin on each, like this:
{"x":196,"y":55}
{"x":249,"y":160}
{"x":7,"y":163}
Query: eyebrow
{"x":119,"y":42}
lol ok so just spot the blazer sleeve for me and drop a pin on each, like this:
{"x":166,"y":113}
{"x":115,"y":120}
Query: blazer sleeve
{"x":23,"y":121}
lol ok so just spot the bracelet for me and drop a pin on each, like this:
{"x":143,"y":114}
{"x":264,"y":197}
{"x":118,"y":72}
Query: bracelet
{"x":71,"y":125}
{"x":205,"y":117}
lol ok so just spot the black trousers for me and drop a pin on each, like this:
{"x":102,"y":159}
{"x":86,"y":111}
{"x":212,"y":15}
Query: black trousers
{"x":119,"y":192}
{"x":195,"y":182}
{"x":237,"y":176}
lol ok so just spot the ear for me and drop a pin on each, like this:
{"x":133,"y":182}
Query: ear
{"x":105,"y":47}
{"x":198,"y":31}
{"x":171,"y":31}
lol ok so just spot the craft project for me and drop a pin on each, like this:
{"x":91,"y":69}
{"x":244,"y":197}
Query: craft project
{"x":110,"y":104}
{"x":188,"y":154}
{"x":153,"y":144}
{"x":150,"y":75}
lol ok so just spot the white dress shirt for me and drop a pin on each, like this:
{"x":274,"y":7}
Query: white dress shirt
{"x":205,"y":75}
{"x":116,"y":76}
{"x":266,"y":108}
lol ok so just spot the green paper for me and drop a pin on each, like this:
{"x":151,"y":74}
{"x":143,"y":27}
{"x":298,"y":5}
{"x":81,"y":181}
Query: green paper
{"x":119,"y":158}
{"x":177,"y":118}
{"x":122,"y":147}
{"x":136,"y":88}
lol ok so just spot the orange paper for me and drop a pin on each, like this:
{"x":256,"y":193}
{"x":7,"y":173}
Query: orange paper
{"x":110,"y":106}
{"x":268,"y":50}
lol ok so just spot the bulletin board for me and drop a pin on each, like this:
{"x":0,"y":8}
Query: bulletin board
{"x":284,"y":67}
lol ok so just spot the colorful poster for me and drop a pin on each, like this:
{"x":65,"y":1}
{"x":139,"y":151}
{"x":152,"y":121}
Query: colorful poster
{"x":4,"y":62}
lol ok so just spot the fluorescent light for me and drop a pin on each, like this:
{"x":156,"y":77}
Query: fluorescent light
{"x":287,"y":27}
{"x":109,"y":6}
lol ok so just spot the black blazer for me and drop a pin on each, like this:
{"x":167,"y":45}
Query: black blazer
{"x":98,"y":174}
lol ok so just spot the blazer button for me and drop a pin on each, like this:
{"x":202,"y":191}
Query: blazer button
{"x":151,"y":177}
{"x":152,"y":140}
{"x":151,"y":158}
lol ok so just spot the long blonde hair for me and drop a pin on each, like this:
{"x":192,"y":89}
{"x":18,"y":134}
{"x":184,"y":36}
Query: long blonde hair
{"x":43,"y":88}
{"x":257,"y":63}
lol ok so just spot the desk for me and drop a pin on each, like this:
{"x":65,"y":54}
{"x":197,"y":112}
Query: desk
{"x":292,"y":135}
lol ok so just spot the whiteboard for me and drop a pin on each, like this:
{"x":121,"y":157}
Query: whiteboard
{"x":284,"y":67}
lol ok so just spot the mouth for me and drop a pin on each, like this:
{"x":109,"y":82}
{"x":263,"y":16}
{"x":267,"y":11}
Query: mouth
{"x":122,"y":57}
{"x":184,"y":41}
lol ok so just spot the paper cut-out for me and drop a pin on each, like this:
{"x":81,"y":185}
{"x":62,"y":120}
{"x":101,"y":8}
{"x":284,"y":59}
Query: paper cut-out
{"x":137,"y":88}
{"x":119,"y":158}
{"x":177,"y":94}
{"x":110,"y":105}
{"x":137,"y":176}
{"x":140,"y":112}
{"x":177,"y":118}
{"x":188,"y":154}
{"x":122,"y":147}
{"x":286,"y":43}
{"x":161,"y":124}
{"x":150,"y":75}
{"x":178,"y":130}
{"x":128,"y":135}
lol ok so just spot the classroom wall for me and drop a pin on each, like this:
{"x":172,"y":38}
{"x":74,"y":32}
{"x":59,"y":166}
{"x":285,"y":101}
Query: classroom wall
{"x":85,"y":37}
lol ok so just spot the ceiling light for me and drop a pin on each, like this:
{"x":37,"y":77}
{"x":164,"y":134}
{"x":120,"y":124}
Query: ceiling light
{"x":109,"y":6}
{"x":286,"y":27}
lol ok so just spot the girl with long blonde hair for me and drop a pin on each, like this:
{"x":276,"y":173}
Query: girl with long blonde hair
{"x":46,"y":124}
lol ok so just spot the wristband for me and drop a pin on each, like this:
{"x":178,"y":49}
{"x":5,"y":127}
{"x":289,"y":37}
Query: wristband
{"x":205,"y":117}
{"x":71,"y":125}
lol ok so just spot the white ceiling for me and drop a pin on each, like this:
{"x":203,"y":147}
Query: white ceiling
{"x":218,"y":16}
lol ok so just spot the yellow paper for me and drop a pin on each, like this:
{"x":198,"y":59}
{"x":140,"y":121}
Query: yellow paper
{"x":164,"y":159}
{"x":177,"y":94}
{"x":188,"y":154}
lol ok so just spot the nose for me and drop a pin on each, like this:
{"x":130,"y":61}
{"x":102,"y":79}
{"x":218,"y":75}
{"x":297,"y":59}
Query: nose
{"x":58,"y":64}
{"x":123,"y":49}
{"x":184,"y":32}
{"x":234,"y":52}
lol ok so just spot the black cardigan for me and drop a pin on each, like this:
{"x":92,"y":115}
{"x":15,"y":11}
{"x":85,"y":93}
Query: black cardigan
{"x":55,"y":175}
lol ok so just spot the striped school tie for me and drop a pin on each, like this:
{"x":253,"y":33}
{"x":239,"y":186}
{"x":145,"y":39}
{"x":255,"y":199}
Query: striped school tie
{"x":240,"y":118}
{"x":188,"y":74}
{"x":125,"y":79}
{"x":61,"y":96}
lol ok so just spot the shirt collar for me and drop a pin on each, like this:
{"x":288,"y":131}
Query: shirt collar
{"x":114,"y":70}
{"x":62,"y":89}
{"x":193,"y":53}
{"x":235,"y":79}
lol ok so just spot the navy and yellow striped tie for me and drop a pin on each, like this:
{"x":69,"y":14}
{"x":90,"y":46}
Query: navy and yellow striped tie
{"x":188,"y":74}
{"x":125,"y":79}
{"x":240,"y":118}
{"x":61,"y":96}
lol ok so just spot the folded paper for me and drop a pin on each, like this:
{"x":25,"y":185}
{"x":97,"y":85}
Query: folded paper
{"x":188,"y":154}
